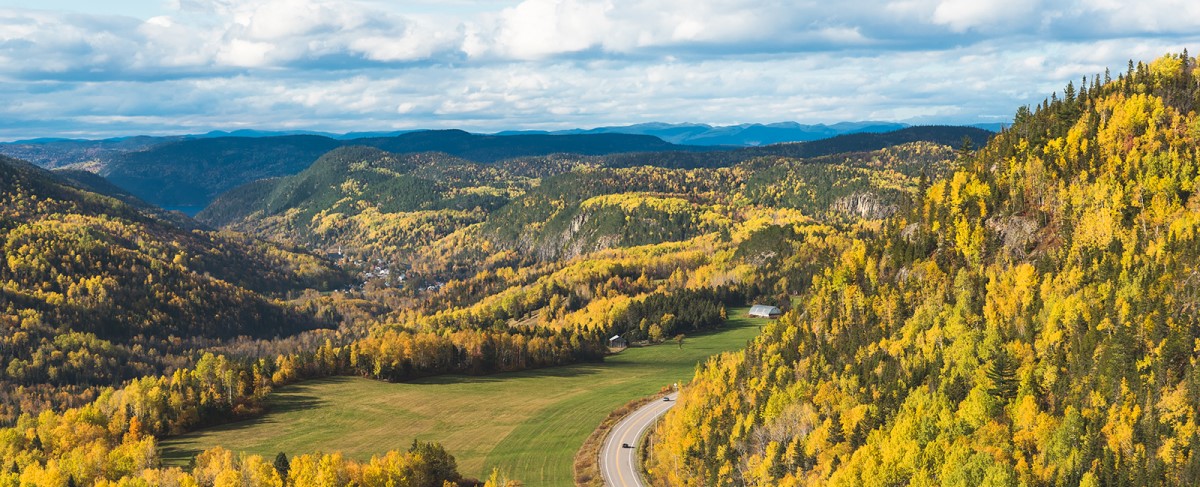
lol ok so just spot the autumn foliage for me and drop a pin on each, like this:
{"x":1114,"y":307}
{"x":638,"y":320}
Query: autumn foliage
{"x":1031,"y":320}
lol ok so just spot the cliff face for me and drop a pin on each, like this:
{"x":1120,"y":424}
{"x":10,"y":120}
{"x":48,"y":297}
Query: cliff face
{"x":863,"y":205}
{"x":1019,"y":234}
{"x":621,"y":220}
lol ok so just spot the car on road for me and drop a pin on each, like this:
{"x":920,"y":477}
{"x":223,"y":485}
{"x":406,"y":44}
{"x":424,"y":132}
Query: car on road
{"x":666,"y":399}
{"x":625,"y":445}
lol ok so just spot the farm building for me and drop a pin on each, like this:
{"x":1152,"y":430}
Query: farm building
{"x":764,"y":311}
{"x":617,"y":341}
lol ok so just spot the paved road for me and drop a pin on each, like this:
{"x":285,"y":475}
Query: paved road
{"x":618,"y":465}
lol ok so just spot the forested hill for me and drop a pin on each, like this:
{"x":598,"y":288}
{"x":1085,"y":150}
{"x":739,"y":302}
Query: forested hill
{"x":492,"y":148}
{"x":868,"y":141}
{"x":92,"y":182}
{"x":742,"y":135}
{"x":58,"y":153}
{"x":859,"y":142}
{"x":434,"y":192}
{"x":381,"y":205}
{"x":1033,"y":320}
{"x":94,"y":290}
{"x":193,"y":172}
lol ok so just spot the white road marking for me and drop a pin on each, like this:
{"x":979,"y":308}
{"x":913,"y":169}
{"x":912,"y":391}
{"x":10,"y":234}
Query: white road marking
{"x":618,"y":465}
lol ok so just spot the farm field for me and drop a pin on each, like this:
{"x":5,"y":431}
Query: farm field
{"x":528,"y":424}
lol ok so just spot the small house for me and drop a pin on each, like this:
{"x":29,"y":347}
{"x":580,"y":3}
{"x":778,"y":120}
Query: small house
{"x":765,"y":311}
{"x":617,"y":341}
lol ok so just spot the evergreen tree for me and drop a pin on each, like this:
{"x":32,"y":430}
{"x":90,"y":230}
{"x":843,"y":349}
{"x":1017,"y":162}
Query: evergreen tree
{"x":282,"y":465}
{"x":1003,"y":374}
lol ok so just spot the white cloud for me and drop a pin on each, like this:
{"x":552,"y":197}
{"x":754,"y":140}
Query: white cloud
{"x":538,"y":28}
{"x":244,"y":53}
{"x":484,"y":65}
{"x":1142,"y":16}
{"x":963,"y":15}
{"x":278,"y":20}
{"x":330,"y":34}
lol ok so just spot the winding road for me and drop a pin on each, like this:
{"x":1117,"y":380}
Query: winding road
{"x":618,"y":465}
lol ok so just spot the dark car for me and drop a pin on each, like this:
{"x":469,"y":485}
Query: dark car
{"x":625,"y":445}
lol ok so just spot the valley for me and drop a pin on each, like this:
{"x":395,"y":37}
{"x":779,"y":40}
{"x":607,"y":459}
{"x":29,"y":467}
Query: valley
{"x":958,"y":307}
{"x":322,"y":243}
{"x":528,"y":424}
{"x":477,"y":289}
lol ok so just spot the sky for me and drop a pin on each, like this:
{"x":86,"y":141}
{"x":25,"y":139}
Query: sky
{"x":87,"y":68}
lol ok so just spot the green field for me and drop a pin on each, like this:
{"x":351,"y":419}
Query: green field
{"x":527,"y":423}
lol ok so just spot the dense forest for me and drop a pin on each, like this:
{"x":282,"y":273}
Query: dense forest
{"x":1031,"y":320}
{"x":95,"y":291}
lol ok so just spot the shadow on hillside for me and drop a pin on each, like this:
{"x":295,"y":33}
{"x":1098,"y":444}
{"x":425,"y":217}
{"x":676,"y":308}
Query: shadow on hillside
{"x":172,"y":455}
{"x":179,"y":451}
{"x":286,"y":402}
{"x":563,"y":371}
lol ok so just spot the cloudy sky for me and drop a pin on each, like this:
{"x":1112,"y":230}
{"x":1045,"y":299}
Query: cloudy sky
{"x":117,"y":67}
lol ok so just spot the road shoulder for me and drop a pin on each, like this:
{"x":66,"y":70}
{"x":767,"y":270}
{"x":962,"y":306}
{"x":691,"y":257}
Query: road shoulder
{"x":619,"y":462}
{"x":587,"y":459}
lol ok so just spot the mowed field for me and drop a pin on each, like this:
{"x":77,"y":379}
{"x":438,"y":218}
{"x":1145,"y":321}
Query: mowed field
{"x":529,"y":424}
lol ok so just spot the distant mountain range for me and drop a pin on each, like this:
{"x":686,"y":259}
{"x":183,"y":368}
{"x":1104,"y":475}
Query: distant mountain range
{"x":741,"y":135}
{"x":746,"y":134}
{"x":435,"y":162}
{"x":187,"y":172}
{"x":59,"y":152}
{"x":734,"y":135}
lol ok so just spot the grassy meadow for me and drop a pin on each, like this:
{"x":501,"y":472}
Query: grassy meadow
{"x":528,"y":424}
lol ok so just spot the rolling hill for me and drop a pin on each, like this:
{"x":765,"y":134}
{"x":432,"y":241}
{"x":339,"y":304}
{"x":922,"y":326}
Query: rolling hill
{"x":55,"y":153}
{"x":89,"y":279}
{"x":750,"y":134}
{"x":193,"y":172}
{"x":50,"y":224}
{"x":952,"y":136}
{"x":367,"y":201}
{"x":381,"y":206}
